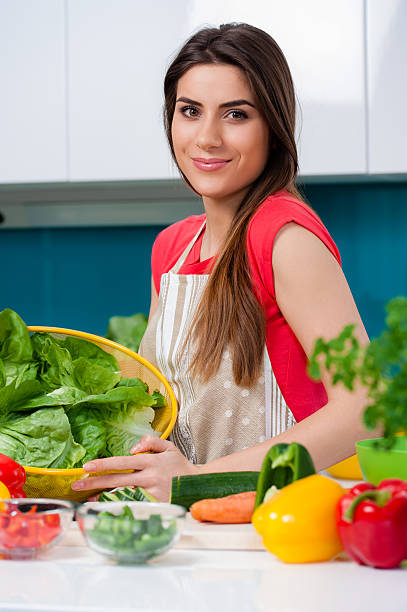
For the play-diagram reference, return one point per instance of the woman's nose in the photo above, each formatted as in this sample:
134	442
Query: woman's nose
208	134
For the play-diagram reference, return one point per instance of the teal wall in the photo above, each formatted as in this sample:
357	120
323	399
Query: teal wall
369	225
78	278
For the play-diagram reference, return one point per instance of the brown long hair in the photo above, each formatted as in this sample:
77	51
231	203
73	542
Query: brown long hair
229	312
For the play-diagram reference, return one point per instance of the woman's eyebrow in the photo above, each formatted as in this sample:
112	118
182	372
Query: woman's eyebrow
224	105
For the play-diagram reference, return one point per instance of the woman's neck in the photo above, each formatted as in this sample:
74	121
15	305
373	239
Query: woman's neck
219	217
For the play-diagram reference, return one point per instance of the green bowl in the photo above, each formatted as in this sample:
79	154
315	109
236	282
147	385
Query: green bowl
377	464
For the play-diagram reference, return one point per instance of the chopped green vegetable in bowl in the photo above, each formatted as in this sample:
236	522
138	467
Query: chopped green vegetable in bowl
130	532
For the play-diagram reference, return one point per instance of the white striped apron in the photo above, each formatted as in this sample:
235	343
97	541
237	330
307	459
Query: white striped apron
218	417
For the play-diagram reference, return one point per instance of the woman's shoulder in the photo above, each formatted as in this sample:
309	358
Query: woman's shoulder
276	211
281	206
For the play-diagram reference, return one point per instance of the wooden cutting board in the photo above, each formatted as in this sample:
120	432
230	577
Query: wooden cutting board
200	536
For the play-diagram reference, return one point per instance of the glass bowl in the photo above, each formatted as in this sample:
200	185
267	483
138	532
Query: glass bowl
29	526
130	532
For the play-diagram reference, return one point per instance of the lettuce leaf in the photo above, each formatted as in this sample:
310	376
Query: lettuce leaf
125	427
56	368
42	438
2	374
127	331
79	347
15	349
14	398
94	378
120	396
88	430
133	382
15	343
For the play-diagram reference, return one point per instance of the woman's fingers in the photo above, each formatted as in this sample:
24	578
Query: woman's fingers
132	466
128	462
151	443
111	481
152	466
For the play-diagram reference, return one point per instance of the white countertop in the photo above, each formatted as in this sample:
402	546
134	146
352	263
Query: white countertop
75	578
71	577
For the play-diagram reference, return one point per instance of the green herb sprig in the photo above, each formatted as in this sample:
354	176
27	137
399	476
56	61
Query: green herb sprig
381	367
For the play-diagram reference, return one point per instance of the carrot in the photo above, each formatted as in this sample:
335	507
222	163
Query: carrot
237	508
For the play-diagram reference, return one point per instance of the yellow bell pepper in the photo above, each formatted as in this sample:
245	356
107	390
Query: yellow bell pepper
4	494
348	469
298	523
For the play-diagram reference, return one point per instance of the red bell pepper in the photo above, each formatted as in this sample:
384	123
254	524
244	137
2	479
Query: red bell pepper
28	529
13	475
372	523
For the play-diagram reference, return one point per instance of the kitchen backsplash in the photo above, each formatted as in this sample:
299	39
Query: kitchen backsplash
77	277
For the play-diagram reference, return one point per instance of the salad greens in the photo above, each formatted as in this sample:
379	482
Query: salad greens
63	401
131	538
127	331
381	367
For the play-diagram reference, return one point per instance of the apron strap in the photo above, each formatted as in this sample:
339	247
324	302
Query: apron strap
178	265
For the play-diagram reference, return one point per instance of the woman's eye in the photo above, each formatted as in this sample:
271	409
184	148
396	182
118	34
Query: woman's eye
238	114
190	111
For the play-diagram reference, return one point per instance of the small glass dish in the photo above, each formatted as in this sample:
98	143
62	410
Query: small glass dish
130	532
29	526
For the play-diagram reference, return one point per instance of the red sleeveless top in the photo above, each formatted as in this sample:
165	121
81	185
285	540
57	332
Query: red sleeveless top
288	360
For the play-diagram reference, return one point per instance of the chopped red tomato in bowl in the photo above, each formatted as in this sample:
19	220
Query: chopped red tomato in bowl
29	526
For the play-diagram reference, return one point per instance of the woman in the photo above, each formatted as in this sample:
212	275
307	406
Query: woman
240	294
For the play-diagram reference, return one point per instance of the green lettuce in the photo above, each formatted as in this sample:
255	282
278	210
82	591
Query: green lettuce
125	427
15	349
43	439
126	415
14	397
63	401
94	378
127	331
88	430
15	343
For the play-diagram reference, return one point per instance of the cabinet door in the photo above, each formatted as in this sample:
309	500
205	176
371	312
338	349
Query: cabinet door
32	102
118	54
323	44
387	85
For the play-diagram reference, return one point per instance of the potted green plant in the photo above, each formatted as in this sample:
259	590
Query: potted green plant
382	368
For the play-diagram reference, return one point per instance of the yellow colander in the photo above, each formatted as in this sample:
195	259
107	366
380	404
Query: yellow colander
44	482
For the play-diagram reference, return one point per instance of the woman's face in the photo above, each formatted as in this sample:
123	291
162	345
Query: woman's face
220	139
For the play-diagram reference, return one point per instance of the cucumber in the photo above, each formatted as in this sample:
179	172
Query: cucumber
127	494
186	490
107	496
143	495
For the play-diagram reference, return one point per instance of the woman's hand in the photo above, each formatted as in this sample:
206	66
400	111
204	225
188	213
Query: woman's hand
152	464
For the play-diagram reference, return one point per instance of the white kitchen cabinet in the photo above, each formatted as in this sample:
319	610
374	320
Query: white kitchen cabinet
323	44
82	83
387	85
119	51
32	100
118	54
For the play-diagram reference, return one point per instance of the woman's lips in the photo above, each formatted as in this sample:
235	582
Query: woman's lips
210	164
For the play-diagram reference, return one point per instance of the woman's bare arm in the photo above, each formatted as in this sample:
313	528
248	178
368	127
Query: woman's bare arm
315	299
